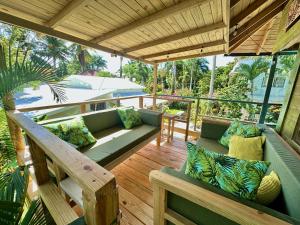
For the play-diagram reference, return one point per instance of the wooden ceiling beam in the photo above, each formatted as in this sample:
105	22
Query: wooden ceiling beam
7	18
149	19
66	12
258	21
251	27
176	37
190	56
233	3
185	49
245	13
264	38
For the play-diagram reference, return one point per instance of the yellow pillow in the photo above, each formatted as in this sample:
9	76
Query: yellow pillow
246	148
269	189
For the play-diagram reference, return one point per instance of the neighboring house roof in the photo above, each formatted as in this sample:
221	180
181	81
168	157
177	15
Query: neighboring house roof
101	83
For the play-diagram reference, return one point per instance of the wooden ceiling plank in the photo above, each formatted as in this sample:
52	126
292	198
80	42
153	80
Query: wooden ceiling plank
184	49
250	30
149	19
190	56
226	21
49	31
67	11
176	37
264	38
262	18
233	3
245	13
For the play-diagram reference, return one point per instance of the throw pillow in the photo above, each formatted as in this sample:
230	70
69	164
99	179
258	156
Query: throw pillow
73	131
246	148
240	129
238	177
130	118
269	189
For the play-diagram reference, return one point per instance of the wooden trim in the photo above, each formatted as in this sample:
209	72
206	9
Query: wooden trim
252	26
66	12
176	99
190	56
233	3
245	13
214	202
185	49
149	19
49	31
180	130
176	218
264	38
176	37
159	205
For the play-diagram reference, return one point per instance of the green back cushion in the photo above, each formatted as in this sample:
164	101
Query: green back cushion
238	177
130	118
240	129
102	120
73	131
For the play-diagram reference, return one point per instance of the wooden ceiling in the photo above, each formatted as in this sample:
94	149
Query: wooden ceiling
154	31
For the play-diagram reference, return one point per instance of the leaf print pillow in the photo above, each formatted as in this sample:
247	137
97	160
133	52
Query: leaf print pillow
129	117
238	177
73	131
239	129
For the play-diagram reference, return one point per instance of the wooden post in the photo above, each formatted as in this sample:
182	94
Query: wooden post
83	108
141	102
265	106
39	162
188	121
102	207
159	205
154	85
118	102
60	175
14	130
196	114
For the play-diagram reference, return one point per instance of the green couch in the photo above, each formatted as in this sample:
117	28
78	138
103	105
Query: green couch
283	160
113	140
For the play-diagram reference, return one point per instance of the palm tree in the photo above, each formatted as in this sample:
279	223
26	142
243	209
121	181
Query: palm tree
53	48
252	70
81	54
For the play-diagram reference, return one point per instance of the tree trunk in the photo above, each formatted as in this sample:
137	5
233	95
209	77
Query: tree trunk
121	66
192	73
81	59
173	78
14	130
212	78
54	62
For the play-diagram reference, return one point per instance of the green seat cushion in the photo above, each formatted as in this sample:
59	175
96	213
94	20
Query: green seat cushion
196	213
238	177
239	129
130	118
115	141
73	131
211	145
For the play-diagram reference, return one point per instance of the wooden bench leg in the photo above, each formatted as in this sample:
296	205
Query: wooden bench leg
158	138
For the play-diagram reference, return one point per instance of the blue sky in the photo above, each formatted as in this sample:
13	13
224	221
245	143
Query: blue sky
113	63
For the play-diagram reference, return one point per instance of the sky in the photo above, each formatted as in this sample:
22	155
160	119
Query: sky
113	63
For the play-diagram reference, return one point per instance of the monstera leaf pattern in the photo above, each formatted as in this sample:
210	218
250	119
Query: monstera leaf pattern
130	118
239	129
238	177
73	131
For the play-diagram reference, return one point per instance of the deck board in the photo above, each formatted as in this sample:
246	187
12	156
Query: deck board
132	175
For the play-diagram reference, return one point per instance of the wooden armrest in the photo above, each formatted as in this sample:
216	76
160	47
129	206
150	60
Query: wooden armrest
228	208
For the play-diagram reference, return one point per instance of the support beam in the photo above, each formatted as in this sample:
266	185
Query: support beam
190	56
265	106
176	37
245	13
233	3
149	19
66	12
255	24
185	49
49	31
264	38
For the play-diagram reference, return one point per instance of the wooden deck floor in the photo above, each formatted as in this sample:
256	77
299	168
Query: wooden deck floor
135	191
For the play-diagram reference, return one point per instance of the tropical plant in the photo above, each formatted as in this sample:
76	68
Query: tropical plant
81	54
253	69
138	71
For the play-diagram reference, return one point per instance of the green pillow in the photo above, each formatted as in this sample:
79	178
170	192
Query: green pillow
73	131
130	118
238	177
239	129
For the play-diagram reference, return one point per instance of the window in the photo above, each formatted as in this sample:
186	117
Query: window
296	135
264	81
279	82
98	106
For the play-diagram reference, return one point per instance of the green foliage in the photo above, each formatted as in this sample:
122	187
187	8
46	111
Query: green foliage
138	71
104	74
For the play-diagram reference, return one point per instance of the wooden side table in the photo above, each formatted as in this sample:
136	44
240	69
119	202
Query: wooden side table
171	122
